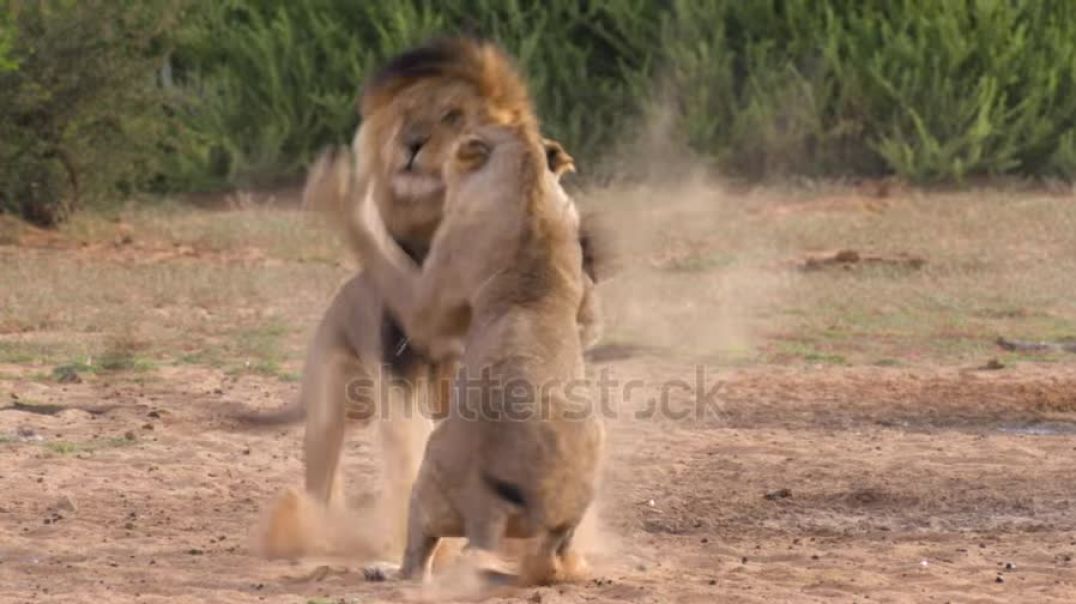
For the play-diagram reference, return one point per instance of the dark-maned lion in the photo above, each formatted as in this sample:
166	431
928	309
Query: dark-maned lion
414	109
517	455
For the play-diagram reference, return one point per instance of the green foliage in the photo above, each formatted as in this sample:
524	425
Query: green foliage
102	97
958	88
79	109
927	90
7	36
268	84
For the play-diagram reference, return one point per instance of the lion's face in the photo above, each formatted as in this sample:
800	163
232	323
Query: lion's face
414	135
429	118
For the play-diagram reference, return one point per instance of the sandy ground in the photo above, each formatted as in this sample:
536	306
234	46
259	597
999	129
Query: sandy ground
807	484
928	479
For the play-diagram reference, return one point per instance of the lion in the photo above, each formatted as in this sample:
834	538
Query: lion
414	110
517	455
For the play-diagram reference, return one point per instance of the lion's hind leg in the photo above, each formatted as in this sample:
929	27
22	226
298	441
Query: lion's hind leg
553	559
430	517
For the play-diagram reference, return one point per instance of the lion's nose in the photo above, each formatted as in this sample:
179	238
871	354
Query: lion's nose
414	145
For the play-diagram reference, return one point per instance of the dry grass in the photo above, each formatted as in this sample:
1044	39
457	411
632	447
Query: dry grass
719	273
705	272
242	293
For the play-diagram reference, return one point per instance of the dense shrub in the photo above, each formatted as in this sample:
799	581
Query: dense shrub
80	112
7	35
268	83
93	93
926	90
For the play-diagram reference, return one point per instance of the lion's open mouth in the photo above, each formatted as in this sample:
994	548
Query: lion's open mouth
409	185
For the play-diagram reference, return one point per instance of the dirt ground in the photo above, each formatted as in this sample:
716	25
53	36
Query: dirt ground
892	480
858	485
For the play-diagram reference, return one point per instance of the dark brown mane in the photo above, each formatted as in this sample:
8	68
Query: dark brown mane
478	62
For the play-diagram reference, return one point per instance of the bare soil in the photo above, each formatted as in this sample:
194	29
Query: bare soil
855	484
850	434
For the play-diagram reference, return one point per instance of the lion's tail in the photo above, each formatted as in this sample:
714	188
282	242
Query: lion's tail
292	413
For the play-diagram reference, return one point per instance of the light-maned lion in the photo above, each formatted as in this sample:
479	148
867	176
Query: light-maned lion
414	109
518	453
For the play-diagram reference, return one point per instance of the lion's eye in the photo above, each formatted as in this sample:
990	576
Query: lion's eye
452	117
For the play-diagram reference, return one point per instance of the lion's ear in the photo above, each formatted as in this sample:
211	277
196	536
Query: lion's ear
472	153
557	158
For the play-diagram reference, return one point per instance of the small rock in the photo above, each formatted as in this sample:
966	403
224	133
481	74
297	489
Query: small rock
712	582
778	494
147	426
1010	566
999	579
195	551
130	435
743	560
154	414
373	574
651	503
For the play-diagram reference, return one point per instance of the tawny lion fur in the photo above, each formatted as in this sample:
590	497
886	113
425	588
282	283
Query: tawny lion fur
518	453
414	111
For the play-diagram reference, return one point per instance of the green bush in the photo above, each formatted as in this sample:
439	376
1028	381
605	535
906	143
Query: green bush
951	89
106	97
926	90
266	84
7	34
80	112
922	89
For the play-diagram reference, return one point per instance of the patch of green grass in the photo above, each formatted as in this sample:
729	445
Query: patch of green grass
808	352
887	363
64	447
124	361
261	349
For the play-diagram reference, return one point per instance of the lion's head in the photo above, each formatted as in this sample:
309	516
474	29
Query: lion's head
414	110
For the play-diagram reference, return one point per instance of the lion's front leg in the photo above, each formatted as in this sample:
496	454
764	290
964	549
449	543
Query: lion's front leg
417	297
